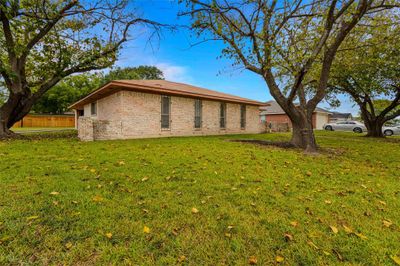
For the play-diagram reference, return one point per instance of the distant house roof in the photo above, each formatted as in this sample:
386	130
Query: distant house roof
341	115
273	108
160	87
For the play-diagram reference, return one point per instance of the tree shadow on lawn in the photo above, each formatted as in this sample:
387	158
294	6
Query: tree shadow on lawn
289	146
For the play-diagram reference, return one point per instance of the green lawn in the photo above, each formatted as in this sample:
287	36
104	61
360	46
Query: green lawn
199	201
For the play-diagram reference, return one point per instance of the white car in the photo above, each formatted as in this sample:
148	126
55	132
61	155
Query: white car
391	130
359	127
354	126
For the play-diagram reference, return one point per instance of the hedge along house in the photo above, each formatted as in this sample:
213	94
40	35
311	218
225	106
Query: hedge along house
125	109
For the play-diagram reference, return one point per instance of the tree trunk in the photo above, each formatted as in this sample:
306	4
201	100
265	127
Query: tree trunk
303	135
374	128
16	107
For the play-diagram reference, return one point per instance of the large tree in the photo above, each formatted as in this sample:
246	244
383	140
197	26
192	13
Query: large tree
283	41
367	69
44	41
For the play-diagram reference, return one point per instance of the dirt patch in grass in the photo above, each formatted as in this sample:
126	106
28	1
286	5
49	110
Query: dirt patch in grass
279	144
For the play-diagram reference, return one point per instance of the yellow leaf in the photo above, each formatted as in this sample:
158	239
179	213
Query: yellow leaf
309	173
68	245
97	198
328	202
146	230
121	163
361	236
145	179
382	202
181	258
252	260
32	217
54	193
74	202
396	259
93	170
109	235
347	229
387	223
279	259
312	244
194	210
326	253
334	229
294	223
230	227
228	235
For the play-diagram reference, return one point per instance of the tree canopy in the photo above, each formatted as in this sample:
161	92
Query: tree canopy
42	42
367	69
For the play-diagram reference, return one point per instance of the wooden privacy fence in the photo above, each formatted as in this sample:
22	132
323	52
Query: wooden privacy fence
38	120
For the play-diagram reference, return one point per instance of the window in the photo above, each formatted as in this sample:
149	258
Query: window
165	111
197	113
222	115
93	108
242	116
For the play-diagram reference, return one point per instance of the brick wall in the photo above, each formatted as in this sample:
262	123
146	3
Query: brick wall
129	114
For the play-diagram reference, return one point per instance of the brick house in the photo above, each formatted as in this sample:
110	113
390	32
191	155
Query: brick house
125	109
273	114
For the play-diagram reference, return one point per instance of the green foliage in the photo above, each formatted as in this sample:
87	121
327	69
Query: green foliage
68	91
140	72
246	202
367	66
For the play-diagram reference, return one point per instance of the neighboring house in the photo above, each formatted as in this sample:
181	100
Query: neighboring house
337	117
272	113
125	109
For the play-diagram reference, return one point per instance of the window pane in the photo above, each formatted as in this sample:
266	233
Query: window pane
165	111
93	107
222	115
242	116
197	113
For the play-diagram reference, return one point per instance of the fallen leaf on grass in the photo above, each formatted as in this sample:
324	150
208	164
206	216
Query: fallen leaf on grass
252	260
312	245
228	235
181	258
347	229
146	230
288	237
68	245
334	229
109	235
382	202
34	217
361	236
328	202
309	173
93	170
194	210
294	223
387	223
279	259
121	163
145	179
396	259
97	198
54	193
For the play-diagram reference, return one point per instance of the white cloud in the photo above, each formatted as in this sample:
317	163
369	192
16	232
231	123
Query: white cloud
175	72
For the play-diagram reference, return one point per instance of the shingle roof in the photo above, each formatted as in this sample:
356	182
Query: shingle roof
272	107
160	87
341	115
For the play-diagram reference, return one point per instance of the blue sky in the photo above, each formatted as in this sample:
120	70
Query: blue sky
197	65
